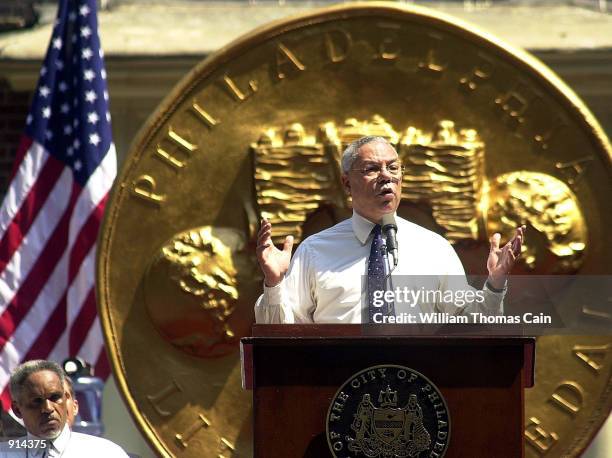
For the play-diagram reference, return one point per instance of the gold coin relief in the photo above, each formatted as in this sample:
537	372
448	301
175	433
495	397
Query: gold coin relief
488	139
551	209
191	289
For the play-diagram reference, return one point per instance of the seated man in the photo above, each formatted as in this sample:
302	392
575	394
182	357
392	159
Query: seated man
39	399
323	282
72	404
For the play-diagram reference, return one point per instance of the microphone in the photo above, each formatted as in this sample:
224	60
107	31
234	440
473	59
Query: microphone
389	228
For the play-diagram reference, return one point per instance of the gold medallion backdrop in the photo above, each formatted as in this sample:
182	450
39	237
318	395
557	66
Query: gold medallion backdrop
489	136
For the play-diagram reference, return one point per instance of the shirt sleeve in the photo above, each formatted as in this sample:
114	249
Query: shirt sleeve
85	445
292	300
466	299
117	452
6	451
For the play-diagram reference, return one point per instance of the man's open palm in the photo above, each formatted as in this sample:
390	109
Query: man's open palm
273	262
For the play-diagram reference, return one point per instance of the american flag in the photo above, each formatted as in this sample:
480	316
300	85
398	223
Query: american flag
50	216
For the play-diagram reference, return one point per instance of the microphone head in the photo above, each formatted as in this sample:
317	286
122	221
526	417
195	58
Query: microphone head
388	222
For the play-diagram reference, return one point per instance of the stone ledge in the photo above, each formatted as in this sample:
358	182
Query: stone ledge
201	28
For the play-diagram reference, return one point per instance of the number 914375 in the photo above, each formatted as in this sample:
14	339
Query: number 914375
27	443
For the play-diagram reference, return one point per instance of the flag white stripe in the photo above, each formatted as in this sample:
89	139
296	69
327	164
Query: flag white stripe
94	342
97	187
82	283
77	293
60	350
27	174
34	241
9	359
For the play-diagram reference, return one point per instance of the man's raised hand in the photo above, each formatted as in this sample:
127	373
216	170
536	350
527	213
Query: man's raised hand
501	260
272	261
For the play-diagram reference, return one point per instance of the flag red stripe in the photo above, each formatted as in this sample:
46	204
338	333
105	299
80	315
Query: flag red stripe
82	324
40	272
5	397
86	239
102	367
22	149
29	209
54	327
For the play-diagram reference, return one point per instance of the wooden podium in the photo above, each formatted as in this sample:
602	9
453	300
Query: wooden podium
295	371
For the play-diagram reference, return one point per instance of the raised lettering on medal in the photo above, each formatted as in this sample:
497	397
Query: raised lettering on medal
480	73
201	423
568	397
155	399
598	314
543	140
286	61
235	91
144	187
226	448
179	144
592	355
538	437
168	159
388	47
203	116
432	63
512	107
574	170
338	43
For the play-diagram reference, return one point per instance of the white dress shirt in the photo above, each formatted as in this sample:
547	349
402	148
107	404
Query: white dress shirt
67	445
326	279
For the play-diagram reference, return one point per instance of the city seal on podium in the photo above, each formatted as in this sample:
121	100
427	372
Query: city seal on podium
388	411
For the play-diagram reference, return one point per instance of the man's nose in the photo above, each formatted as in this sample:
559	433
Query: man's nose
385	176
47	407
385	172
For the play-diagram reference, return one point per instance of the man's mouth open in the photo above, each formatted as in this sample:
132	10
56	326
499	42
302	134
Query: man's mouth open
386	192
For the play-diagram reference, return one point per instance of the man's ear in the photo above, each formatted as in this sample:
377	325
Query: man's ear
75	404
16	409
346	183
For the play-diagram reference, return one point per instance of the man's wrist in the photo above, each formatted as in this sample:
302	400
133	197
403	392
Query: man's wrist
272	283
496	285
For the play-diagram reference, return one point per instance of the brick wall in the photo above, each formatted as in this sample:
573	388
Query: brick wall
14	108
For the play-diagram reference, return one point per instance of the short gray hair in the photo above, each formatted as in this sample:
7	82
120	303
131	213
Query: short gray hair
23	371
352	151
70	385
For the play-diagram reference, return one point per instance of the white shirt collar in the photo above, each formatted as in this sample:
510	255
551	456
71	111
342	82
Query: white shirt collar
361	227
61	442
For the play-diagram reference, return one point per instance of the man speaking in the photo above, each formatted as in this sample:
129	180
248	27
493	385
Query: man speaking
337	275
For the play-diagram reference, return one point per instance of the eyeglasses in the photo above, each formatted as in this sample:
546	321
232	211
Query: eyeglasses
374	170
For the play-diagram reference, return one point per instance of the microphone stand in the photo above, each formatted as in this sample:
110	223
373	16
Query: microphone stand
388	278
